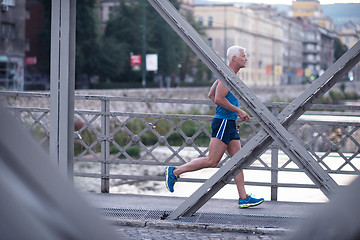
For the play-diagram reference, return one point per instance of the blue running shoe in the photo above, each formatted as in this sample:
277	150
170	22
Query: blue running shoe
250	202
171	178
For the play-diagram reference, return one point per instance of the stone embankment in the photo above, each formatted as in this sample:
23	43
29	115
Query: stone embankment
264	93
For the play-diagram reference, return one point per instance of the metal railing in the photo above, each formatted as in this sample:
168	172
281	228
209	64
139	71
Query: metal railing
118	132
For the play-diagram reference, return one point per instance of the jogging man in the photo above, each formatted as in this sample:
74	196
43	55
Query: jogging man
224	133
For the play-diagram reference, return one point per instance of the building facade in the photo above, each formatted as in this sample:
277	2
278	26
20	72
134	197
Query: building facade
228	25
311	50
306	8
12	44
293	50
36	62
312	10
318	37
348	33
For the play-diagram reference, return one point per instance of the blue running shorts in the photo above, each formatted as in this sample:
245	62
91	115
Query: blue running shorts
225	130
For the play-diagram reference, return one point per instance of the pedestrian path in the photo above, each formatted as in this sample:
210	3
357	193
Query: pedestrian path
146	213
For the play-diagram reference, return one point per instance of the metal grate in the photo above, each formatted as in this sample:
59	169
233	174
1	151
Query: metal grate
248	220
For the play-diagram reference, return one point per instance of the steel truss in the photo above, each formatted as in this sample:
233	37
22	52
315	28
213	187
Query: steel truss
274	127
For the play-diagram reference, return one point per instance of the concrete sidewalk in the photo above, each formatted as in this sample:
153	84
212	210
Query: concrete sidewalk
217	214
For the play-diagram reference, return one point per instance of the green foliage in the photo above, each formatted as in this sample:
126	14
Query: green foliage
191	60
351	96
189	128
89	137
124	35
336	96
163	40
39	134
133	151
342	88
323	100
114	59
175	139
107	54
135	125
340	48
122	138
148	138
87	38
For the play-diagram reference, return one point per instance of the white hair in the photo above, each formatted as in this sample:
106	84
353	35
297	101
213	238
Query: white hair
234	51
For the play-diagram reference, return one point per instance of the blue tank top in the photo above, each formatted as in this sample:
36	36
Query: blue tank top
223	113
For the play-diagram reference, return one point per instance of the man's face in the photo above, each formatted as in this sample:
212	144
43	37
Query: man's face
241	59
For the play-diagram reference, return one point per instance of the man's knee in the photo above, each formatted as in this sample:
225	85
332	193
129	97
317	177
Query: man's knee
212	163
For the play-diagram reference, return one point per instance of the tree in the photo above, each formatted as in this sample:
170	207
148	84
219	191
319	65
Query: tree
87	37
190	59
108	54
125	29
340	48
122	36
164	41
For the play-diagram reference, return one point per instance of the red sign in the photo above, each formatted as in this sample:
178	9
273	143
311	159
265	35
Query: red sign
268	69
30	60
300	72
135	61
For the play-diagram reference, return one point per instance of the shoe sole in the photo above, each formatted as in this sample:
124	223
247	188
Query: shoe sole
251	205
166	178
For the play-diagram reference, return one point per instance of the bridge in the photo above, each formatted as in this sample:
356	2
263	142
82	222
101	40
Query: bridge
104	141
48	205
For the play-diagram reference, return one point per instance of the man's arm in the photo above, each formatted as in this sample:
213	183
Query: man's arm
220	99
211	93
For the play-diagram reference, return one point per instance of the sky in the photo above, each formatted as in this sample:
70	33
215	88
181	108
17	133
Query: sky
289	2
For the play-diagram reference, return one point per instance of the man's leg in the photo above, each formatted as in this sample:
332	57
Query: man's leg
233	147
217	149
244	199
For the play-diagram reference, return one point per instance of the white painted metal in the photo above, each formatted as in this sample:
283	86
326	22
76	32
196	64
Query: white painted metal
62	84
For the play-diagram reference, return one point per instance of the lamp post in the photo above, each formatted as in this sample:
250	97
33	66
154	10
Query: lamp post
143	55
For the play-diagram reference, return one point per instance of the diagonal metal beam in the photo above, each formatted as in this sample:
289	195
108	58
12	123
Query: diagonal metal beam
290	145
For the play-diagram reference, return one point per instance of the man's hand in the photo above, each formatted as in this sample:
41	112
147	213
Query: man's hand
243	115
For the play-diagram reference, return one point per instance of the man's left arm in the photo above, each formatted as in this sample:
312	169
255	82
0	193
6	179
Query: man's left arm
211	93
220	99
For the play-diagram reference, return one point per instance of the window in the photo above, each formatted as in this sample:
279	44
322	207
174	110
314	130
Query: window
210	21
27	14
200	21
27	45
7	30
8	2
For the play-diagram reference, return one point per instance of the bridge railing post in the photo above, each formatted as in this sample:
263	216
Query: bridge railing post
105	146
